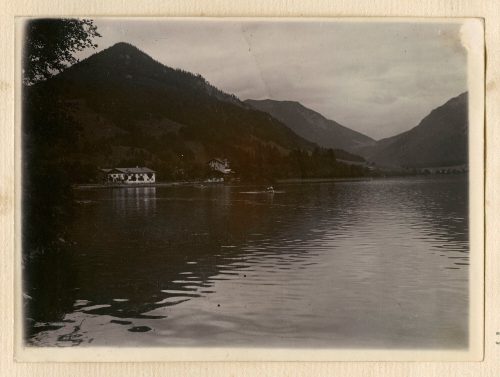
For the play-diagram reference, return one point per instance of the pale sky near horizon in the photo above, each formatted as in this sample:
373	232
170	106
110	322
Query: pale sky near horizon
378	78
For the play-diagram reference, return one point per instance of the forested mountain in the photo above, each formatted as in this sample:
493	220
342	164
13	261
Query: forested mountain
311	125
120	107
440	139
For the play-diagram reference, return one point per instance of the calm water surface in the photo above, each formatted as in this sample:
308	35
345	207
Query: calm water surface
372	263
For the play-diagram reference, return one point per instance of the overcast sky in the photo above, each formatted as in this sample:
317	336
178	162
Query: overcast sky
378	78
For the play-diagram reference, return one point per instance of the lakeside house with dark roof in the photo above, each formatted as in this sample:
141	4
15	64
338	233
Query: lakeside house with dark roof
134	176
220	165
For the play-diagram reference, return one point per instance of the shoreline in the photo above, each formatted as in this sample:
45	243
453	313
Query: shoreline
320	180
84	186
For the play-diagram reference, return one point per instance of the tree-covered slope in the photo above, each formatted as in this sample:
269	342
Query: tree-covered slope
440	139
311	125
120	107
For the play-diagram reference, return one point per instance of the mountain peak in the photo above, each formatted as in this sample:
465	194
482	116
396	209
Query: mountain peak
124	62
124	50
124	47
116	59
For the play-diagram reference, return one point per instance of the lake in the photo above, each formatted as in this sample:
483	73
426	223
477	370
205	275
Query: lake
380	263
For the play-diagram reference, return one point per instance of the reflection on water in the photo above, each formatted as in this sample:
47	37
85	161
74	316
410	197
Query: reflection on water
134	199
380	263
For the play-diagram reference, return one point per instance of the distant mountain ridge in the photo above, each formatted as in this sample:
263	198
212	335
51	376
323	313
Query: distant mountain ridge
311	125
440	139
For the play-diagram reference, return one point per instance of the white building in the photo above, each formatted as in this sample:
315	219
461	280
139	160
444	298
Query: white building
220	165
134	176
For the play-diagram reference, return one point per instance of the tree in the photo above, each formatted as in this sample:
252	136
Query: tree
50	44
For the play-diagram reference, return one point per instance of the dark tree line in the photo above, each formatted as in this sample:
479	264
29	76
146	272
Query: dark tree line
48	136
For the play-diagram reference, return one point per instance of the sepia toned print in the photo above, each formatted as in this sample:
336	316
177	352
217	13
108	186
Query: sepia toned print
247	184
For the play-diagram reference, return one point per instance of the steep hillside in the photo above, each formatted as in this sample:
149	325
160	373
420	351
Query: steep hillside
440	139
311	125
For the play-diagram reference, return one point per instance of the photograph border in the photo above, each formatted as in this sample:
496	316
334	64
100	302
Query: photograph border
472	40
489	10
